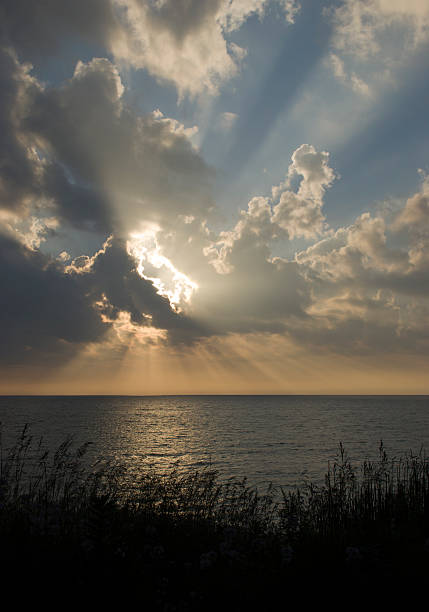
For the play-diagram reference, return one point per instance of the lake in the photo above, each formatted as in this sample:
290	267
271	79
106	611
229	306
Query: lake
280	439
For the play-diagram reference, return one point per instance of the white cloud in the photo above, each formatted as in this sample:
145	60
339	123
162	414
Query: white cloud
286	214
370	290
176	41
415	214
300	214
313	167
357	290
184	41
360	24
353	251
375	36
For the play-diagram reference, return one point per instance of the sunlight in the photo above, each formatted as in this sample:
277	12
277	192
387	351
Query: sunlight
155	267
128	332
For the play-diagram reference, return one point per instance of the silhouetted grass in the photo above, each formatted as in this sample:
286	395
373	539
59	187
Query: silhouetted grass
189	541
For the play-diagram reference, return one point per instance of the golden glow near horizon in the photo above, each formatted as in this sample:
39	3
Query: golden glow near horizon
230	365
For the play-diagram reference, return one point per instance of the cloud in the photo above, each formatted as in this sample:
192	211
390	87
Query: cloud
415	215
313	167
234	13
353	254
78	150
44	314
354	291
359	290
38	29
181	42
76	157
145	165
265	290
300	214
111	279
29	179
361	24
20	167
375	37
184	41
51	310
369	290
259	292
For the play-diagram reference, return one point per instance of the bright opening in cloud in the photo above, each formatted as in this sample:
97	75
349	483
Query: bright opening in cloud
155	267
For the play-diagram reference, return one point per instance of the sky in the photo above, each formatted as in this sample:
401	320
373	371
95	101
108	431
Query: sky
214	196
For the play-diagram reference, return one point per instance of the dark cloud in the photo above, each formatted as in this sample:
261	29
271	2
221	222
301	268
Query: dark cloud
77	152
19	179
44	315
47	314
42	28
81	206
112	273
136	168
80	149
29	177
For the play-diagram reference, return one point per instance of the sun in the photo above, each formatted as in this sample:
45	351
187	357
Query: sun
152	265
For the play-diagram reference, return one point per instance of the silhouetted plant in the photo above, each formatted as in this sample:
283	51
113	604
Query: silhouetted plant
192	528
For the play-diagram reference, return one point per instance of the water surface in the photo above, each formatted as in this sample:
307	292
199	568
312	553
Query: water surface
279	439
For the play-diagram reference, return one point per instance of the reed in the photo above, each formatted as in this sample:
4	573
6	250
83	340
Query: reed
190	538
384	496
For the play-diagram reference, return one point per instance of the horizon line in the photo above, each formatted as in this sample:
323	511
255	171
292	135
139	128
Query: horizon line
3	395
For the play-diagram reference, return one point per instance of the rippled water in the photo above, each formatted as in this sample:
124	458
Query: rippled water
279	439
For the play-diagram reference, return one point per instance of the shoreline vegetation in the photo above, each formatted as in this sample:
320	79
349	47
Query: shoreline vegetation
185	541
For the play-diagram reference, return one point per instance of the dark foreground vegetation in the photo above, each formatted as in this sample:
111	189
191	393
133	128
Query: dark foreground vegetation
188	541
